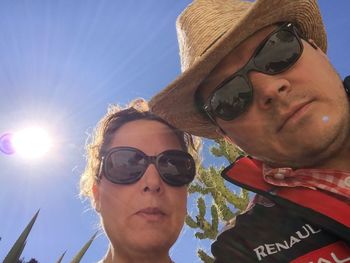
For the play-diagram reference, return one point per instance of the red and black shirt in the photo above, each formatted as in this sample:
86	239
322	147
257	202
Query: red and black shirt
284	224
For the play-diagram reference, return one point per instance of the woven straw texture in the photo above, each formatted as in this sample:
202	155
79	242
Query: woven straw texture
207	31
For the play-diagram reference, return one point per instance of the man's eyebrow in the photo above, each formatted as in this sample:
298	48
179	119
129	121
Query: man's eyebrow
217	79
238	58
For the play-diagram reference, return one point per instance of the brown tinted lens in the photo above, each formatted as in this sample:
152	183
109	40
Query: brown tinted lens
176	167
125	166
279	52
231	99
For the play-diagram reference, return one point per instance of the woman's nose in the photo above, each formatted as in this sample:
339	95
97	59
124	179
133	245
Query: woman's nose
151	180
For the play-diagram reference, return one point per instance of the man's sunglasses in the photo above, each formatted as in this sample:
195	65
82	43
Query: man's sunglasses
126	165
275	54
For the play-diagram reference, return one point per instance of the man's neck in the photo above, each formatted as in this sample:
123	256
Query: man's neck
340	160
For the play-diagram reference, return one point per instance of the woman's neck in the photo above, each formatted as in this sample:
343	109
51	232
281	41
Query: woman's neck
113	256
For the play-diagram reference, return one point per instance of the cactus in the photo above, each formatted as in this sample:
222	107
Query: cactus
226	203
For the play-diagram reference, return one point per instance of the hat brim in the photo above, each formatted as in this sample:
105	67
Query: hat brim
176	102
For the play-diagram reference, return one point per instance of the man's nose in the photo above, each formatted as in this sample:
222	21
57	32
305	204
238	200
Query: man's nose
269	89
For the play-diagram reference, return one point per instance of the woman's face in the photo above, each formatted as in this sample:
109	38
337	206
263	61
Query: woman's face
147	215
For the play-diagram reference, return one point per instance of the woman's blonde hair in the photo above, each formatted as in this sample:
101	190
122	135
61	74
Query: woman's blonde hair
106	128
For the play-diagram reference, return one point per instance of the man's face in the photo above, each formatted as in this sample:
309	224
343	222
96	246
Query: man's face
297	118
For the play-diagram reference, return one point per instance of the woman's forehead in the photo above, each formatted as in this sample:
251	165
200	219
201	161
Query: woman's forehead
144	132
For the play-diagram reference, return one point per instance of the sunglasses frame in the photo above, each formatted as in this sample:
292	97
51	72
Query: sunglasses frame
248	67
149	160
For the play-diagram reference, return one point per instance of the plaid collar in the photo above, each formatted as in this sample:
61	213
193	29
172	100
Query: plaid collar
332	181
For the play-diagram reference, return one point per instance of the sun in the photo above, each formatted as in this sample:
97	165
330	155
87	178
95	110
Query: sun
33	142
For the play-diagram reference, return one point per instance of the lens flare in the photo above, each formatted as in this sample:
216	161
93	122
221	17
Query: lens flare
6	144
31	142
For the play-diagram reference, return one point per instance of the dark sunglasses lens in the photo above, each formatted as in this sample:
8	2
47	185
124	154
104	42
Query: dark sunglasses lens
177	168
280	52
230	100
125	166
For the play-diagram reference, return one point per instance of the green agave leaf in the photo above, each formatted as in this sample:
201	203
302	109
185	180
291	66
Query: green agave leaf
60	259
82	251
17	249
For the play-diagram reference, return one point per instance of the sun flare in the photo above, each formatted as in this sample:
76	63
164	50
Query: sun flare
31	142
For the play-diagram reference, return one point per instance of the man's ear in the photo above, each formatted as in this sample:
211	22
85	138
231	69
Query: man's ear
320	51
96	196
220	132
224	135
312	43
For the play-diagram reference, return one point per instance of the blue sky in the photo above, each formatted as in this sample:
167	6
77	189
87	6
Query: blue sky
61	64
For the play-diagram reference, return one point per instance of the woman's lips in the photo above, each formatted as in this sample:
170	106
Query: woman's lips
151	213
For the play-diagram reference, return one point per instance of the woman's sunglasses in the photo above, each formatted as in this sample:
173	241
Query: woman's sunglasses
126	165
275	54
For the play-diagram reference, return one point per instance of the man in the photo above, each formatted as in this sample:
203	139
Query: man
256	74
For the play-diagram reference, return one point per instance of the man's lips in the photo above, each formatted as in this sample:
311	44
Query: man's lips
295	111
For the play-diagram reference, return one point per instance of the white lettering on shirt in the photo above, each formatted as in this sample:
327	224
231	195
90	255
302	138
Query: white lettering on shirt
265	250
335	259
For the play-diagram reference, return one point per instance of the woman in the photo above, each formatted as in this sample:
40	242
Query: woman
137	175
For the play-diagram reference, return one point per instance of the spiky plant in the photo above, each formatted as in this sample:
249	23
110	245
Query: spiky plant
15	252
226	202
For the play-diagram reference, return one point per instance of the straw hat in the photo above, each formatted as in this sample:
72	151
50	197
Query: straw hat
207	31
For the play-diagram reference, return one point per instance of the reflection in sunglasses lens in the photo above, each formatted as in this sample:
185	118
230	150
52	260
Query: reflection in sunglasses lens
230	100
174	167
125	166
280	51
